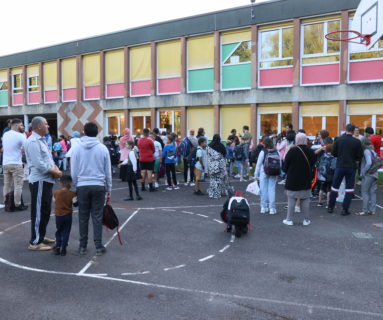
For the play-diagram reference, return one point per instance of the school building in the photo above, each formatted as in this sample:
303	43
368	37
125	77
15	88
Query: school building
264	66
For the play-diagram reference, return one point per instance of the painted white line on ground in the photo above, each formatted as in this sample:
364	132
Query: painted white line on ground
88	265
99	274
188	212
206	258
120	188
203	206
176	267
134	273
224	248
360	198
169	210
202	215
219	221
15	226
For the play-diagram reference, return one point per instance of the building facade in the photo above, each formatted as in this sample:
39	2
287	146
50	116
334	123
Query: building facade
219	71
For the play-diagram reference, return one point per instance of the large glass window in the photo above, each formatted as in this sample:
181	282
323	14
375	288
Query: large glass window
17	83
313	124
271	120
316	49
33	84
361	121
170	120
269	124
276	48
113	126
374	53
241	54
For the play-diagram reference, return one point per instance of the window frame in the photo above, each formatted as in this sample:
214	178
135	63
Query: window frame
280	49
33	86
21	83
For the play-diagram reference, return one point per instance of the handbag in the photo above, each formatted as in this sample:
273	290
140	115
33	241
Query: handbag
314	181
253	188
110	219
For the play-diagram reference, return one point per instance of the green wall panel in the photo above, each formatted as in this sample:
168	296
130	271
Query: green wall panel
3	98
236	76
227	49
201	80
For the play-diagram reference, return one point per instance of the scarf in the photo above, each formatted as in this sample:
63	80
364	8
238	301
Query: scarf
217	145
125	138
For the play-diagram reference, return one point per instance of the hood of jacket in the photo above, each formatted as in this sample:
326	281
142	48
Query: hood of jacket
89	142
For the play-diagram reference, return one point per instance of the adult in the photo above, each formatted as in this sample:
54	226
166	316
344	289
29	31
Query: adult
13	142
146	147
92	177
358	135
267	182
43	173
64	150
233	134
216	153
124	151
157	160
348	151
375	139
73	142
186	148
298	165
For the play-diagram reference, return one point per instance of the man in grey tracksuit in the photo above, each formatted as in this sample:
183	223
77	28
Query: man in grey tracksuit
91	175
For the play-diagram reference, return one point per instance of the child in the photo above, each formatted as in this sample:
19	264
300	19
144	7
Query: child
241	160
326	169
64	200
157	160
199	166
169	154
131	171
230	157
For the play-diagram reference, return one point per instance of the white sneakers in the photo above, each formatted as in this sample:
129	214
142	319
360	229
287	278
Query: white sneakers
297	209
169	188
288	222
306	222
273	211
156	185
264	210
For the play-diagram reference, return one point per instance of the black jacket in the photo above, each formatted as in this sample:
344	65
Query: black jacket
298	171
348	150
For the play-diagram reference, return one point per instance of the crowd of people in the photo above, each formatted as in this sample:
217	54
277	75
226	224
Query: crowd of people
316	169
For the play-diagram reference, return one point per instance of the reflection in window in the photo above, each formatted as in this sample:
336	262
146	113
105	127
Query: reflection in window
3	85
374	53
138	124
379	124
270	44
241	54
269	124
166	120
313	38
33	84
332	125
287	119
17	83
312	125
287	42
361	121
177	122
148	122
333	46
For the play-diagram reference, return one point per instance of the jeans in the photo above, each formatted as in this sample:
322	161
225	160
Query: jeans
242	167
349	175
187	166
171	172
14	181
369	194
63	226
267	186
91	200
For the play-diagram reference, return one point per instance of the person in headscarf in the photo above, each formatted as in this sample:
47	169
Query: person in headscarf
299	164
216	163
124	152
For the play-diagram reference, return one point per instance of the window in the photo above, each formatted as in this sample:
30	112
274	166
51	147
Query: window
170	121
276	48
17	83
361	121
33	84
316	49
376	52
241	54
3	86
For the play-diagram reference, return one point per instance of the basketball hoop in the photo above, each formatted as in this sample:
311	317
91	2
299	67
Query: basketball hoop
366	38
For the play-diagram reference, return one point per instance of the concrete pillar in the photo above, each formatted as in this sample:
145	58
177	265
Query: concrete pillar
183	64
26	122
253	122
217	122
295	116
79	84
126	119
344	49
126	72
102	75
9	77
24	84
342	116
153	118
217	61
297	53
254	57
153	47
59	84
183	121
41	79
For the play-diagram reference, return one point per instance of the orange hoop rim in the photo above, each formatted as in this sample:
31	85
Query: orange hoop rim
365	37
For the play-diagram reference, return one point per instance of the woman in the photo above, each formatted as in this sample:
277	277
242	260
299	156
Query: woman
216	153
299	164
124	151
201	134
368	179
267	182
64	148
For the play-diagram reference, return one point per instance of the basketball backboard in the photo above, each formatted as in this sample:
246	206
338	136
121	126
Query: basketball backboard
368	20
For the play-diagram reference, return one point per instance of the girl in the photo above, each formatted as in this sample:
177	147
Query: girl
169	154
131	171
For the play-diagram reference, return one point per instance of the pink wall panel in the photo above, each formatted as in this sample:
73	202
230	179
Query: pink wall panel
51	96
33	97
140	88
69	94
276	77
172	85
115	90
92	92
18	99
366	70
320	74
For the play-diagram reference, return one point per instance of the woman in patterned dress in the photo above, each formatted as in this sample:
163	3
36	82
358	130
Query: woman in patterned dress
216	153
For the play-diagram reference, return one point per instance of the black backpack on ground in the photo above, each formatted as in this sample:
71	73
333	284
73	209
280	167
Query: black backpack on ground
238	212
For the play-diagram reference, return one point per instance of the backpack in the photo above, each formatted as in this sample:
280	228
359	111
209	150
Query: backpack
185	147
255	154
326	168
272	162
239	153
238	211
170	154
57	147
377	163
192	157
110	220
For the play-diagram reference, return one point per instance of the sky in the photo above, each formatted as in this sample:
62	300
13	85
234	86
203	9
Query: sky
42	23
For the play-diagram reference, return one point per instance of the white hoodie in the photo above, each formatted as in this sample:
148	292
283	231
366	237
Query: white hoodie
90	164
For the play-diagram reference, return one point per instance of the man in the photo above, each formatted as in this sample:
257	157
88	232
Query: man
375	139
43	173
92	176
146	149
13	142
357	134
348	151
246	138
187	145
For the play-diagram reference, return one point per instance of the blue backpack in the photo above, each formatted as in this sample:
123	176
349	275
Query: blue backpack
185	148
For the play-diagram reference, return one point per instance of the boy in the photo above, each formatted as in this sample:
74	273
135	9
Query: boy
169	154
326	169
199	166
63	212
157	160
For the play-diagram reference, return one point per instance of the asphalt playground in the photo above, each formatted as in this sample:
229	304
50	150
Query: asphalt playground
177	262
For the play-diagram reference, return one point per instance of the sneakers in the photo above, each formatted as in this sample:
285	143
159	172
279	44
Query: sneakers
82	251
176	187
198	193
273	211
20	208
237	176
192	184
320	204
39	247
282	182
186	183
306	222
100	251
48	241
169	188
156	185
264	210
297	209
288	222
